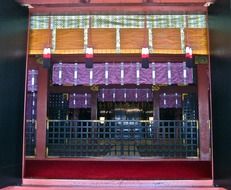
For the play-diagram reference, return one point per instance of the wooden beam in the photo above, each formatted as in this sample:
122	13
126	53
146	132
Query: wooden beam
86	89
118	9
114	58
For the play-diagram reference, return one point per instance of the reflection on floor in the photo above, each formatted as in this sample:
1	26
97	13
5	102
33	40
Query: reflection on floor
44	184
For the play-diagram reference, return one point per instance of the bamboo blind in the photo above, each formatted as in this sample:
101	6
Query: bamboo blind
39	39
102	40
69	40
167	40
132	40
196	38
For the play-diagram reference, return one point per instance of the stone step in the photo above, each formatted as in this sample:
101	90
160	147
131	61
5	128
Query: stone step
55	184
108	188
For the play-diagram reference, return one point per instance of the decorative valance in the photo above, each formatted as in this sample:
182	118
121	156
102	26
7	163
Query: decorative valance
80	100
122	73
125	95
170	100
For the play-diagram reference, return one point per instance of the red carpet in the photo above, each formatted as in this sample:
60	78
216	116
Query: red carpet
146	170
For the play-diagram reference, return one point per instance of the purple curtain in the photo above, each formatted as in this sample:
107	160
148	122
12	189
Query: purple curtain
32	88
80	100
125	95
31	106
170	100
32	83
64	74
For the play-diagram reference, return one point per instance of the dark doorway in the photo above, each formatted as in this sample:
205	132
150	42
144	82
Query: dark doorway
79	114
171	114
125	110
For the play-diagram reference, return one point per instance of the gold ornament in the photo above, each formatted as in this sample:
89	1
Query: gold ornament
95	88
155	88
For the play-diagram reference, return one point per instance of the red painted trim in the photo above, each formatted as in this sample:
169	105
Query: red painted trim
32	64
102	58
203	109
142	170
41	113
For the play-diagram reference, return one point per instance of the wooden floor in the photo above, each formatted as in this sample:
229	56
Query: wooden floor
44	184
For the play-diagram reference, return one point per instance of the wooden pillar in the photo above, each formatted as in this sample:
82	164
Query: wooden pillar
94	105
41	113
156	105
203	111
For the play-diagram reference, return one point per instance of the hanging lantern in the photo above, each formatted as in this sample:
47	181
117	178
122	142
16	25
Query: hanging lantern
47	53
145	56
89	52
89	57
145	53
46	57
189	57
188	52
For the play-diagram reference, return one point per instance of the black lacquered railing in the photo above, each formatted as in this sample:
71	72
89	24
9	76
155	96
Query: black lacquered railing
30	137
168	139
